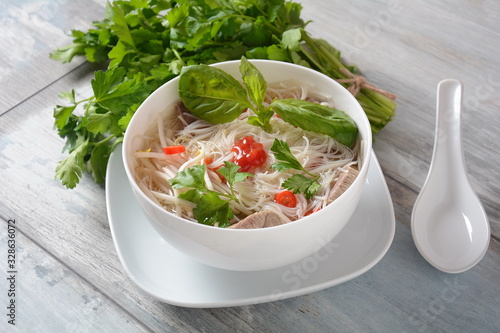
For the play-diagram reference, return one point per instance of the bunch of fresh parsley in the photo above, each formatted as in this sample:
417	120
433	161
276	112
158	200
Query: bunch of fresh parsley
146	43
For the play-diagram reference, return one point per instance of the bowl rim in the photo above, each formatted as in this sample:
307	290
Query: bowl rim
127	140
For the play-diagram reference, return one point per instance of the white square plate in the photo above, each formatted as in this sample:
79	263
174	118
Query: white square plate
174	278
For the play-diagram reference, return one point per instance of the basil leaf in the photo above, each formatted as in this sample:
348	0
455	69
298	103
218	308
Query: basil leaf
254	81
317	118
211	94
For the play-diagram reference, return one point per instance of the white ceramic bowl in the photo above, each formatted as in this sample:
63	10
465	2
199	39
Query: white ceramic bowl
251	249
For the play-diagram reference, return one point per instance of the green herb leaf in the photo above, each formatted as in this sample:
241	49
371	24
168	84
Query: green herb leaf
70	169
230	172
296	183
98	162
211	209
69	96
317	118
191	177
211	94
284	156
67	53
193	195
254	81
302	184
62	115
103	82
103	123
291	39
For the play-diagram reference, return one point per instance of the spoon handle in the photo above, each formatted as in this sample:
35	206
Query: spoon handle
448	152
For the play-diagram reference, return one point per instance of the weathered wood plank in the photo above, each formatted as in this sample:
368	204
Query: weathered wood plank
50	297
29	31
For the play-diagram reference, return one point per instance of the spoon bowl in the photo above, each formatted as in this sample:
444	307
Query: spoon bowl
449	225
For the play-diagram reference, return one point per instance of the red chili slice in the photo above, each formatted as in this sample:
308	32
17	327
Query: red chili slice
286	198
312	211
170	150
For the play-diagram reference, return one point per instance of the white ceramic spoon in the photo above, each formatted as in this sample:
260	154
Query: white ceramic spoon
449	225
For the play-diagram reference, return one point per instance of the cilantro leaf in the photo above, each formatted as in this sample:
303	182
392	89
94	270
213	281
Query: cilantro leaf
69	96
296	183
66	53
211	209
302	184
291	39
103	82
103	123
192	177
98	162
62	115
193	195
230	172
285	158
70	169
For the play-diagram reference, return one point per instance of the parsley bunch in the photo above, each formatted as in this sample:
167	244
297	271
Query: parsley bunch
145	43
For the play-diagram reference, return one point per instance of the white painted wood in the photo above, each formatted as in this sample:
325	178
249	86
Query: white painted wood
29	31
70	278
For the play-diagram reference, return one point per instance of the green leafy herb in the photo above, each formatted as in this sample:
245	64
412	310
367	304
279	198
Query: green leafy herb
93	135
211	94
210	207
145	43
215	96
193	177
256	86
284	157
230	172
302	184
297	183
317	118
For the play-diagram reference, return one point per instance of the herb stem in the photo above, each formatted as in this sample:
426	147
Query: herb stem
103	141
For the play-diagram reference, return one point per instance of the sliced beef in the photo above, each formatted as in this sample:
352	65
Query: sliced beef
263	219
185	113
310	99
345	180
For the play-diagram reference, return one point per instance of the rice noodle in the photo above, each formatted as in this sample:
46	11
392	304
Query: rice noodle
319	154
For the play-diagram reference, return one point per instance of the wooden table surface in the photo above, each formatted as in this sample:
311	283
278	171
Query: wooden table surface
68	275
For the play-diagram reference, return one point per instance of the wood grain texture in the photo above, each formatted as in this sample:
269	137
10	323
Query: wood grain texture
29	31
70	276
407	49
